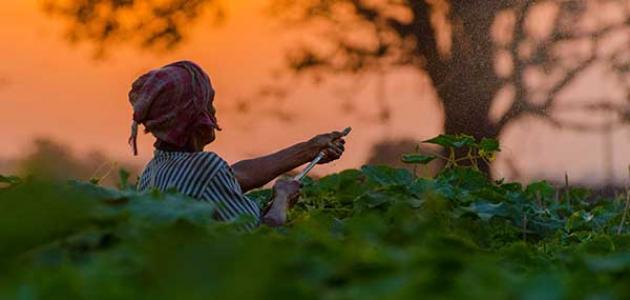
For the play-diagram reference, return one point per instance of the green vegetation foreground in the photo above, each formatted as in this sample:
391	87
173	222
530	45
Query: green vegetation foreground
374	233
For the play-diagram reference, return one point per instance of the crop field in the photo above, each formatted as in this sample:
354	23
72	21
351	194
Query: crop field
373	233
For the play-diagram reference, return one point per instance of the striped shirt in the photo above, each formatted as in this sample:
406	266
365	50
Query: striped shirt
200	175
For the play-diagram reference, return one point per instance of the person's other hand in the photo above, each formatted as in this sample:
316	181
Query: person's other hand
332	144
285	194
287	188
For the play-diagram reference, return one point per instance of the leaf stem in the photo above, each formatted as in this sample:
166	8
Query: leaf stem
625	212
524	226
567	194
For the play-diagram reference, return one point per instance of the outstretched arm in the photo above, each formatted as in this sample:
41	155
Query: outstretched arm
254	173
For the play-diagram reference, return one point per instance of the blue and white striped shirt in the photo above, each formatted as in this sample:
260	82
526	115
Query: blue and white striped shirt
200	175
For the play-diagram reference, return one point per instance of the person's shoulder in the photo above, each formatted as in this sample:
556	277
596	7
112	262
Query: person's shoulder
208	159
219	174
193	161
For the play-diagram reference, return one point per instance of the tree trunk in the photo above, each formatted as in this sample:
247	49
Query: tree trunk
465	80
468	114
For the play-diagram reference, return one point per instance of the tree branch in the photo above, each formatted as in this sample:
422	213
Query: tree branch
558	36
568	78
520	96
581	127
520	103
600	105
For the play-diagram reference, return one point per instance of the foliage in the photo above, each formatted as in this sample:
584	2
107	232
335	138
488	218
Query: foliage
374	233
484	150
55	161
158	25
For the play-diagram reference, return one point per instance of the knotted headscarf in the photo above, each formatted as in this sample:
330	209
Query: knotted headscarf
172	102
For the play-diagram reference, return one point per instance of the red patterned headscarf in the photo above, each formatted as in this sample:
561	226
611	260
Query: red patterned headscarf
172	102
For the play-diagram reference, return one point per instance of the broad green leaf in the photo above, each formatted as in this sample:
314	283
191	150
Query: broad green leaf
489	145
453	141
464	177
384	175
486	210
579	221
540	189
375	200
417	159
488	149
10	179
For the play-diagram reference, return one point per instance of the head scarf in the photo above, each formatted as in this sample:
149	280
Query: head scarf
172	102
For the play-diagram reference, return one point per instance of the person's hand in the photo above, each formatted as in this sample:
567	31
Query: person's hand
332	144
288	189
285	194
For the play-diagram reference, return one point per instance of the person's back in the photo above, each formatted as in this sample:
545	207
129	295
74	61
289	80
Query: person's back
200	175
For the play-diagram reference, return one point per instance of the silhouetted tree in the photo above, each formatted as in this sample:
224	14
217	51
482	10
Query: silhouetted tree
473	50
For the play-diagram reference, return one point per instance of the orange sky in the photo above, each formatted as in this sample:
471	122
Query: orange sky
49	88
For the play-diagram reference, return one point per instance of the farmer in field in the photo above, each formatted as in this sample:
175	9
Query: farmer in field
175	104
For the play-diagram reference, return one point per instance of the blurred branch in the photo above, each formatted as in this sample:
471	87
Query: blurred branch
598	105
563	36
388	38
566	80
519	104
159	25
558	36
580	126
603	104
594	105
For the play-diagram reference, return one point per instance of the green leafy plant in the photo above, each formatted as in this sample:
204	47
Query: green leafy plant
372	233
475	151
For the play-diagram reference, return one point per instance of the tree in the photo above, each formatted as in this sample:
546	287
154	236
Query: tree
474	50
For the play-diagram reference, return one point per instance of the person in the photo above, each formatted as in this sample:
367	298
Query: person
175	105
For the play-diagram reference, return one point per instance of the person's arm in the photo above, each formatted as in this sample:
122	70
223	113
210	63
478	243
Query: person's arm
254	173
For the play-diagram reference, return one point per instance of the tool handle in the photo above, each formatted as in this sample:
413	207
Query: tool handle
310	166
317	159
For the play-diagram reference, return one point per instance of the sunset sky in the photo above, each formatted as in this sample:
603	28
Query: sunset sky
50	88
